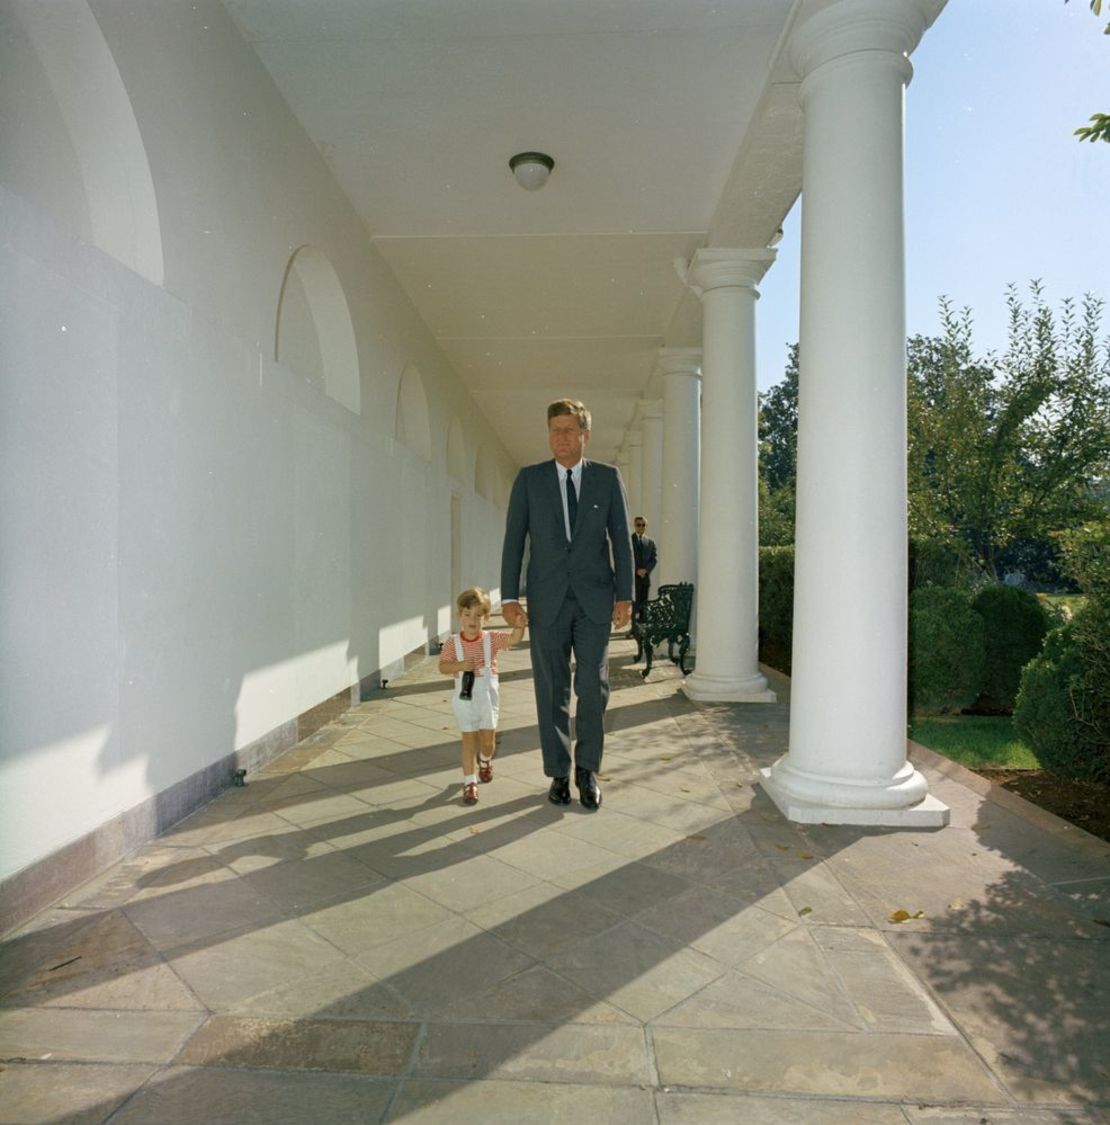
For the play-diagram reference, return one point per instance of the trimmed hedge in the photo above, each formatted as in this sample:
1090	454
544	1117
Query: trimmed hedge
776	606
1015	627
946	650
1063	704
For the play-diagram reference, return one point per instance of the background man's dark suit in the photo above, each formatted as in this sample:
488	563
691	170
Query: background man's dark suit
644	557
572	589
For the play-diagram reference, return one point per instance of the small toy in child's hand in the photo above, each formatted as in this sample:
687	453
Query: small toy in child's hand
467	685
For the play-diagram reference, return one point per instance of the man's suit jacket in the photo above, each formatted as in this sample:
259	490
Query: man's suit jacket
556	566
644	556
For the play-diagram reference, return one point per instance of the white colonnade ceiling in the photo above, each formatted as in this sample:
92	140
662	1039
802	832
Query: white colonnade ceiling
674	124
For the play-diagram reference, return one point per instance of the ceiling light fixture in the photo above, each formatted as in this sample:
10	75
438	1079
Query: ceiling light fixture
531	169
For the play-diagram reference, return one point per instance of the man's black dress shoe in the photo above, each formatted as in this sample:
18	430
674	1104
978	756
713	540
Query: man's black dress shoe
559	793
589	792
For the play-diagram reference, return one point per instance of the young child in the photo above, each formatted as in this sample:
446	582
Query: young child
475	650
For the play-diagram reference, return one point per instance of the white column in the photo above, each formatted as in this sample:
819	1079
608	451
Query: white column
635	482
651	457
727	666
847	758
677	534
622	465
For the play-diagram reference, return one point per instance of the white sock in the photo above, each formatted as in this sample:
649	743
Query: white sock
470	777
484	760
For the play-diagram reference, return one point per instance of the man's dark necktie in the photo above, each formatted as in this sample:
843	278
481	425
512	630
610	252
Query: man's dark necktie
572	501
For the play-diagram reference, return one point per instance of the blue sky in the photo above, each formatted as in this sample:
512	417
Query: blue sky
997	188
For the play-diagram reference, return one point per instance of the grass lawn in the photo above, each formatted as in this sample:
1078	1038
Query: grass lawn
1070	603
973	740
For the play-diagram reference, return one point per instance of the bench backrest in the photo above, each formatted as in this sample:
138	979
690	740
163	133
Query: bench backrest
670	609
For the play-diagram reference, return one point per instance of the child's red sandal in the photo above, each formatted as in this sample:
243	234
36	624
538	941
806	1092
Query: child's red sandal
470	793
485	769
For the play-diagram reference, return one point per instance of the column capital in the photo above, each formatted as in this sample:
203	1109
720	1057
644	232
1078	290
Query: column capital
679	361
848	27
721	268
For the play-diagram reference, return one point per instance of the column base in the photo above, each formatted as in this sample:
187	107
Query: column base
718	689
925	812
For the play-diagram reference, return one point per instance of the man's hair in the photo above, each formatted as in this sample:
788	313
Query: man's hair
474	596
569	406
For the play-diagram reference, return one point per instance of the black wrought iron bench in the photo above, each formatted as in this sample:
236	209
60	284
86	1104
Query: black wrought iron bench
666	618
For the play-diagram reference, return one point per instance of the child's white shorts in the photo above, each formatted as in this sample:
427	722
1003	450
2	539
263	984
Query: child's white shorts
481	710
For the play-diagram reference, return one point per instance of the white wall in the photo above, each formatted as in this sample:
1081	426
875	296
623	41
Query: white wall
197	543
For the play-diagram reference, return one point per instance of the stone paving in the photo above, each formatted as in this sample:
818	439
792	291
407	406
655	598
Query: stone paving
343	940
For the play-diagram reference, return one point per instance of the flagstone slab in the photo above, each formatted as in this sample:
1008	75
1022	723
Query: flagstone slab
536	995
183	916
797	966
740	1001
629	888
302	884
439	966
994	1115
472	881
730	1109
70	1035
425	1102
103	961
340	990
376	918
184	1096
342	1046
832	1064
230	969
1035	1010
887	996
76	1093
543	918
612	1054
637	970
716	924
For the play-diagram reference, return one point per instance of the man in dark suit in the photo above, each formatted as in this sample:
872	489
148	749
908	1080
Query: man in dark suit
644	558
572	512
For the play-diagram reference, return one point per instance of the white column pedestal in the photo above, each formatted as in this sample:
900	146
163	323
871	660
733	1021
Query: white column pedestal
727	663
847	758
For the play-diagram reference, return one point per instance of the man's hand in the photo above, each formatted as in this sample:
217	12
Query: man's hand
641	573
514	615
622	614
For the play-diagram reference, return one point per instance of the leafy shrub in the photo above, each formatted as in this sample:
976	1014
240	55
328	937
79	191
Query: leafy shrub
933	563
1015	626
1063	704
946	653
776	606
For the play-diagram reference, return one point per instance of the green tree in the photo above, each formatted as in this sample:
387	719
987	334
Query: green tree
1099	127
778	428
1012	448
778	457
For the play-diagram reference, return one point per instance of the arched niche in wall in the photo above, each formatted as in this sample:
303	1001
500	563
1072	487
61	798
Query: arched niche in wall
483	475
314	335
456	450
69	139
504	489
413	427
